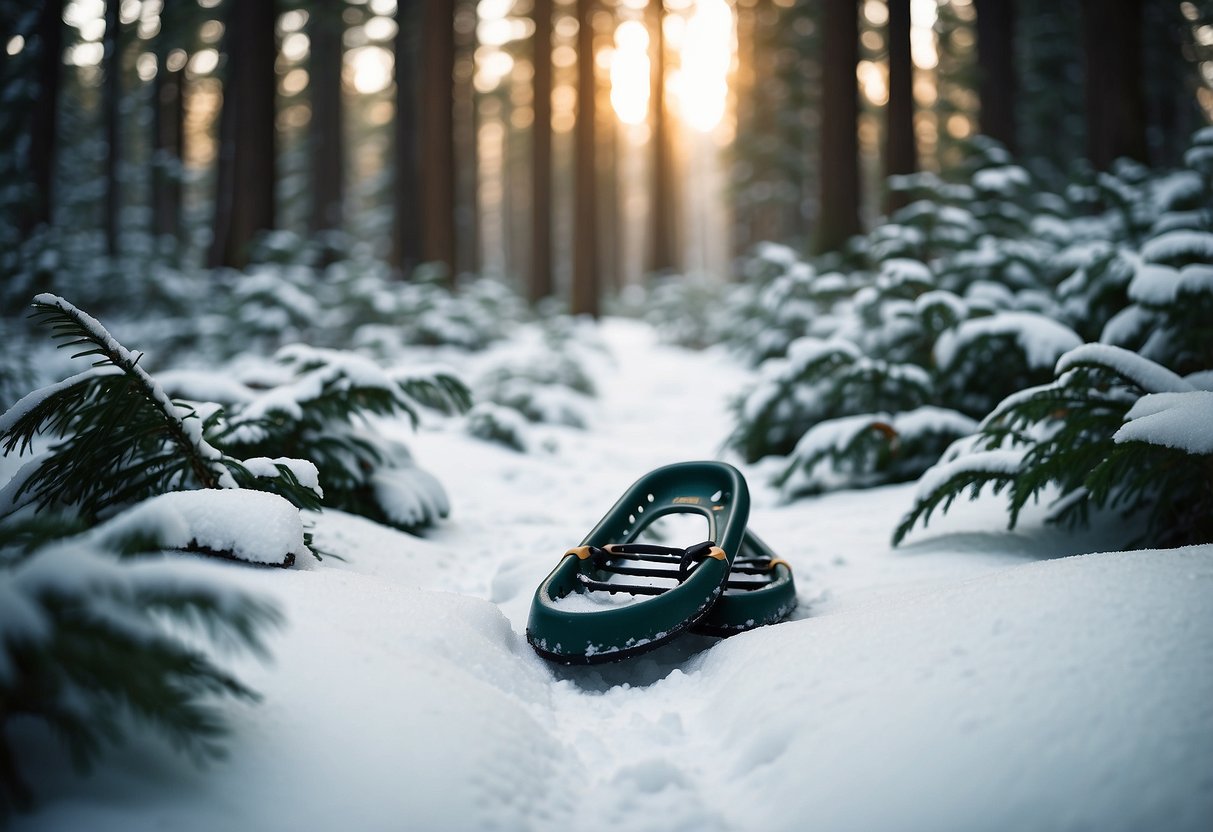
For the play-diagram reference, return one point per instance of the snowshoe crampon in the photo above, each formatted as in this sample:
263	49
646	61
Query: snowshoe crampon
611	597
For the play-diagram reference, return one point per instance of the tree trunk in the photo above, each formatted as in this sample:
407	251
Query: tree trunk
839	211
901	151
663	246
437	150
113	119
997	84
44	117
406	195
168	148
1116	119
586	280
325	30
244	188
540	284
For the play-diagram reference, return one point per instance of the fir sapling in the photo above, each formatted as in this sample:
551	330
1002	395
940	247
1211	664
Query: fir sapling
322	409
1070	437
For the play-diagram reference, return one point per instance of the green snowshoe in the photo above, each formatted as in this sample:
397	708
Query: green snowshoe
611	598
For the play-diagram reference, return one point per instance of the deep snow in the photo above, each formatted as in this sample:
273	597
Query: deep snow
972	679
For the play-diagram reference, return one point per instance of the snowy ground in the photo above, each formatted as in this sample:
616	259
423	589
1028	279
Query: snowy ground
973	679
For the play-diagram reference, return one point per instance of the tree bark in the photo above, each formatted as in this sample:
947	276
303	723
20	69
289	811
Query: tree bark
839	212
997	84
901	150
113	135
540	284
44	117
586	278
406	195
663	245
167	150
325	30
437	145
1112	52
244	188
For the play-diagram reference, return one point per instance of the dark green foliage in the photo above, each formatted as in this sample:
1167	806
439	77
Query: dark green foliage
321	412
1062	439
501	425
93	650
120	438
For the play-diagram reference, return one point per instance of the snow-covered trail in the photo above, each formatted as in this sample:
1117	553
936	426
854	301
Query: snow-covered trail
967	680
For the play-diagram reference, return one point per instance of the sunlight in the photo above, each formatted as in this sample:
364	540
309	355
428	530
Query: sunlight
701	83
630	73
372	68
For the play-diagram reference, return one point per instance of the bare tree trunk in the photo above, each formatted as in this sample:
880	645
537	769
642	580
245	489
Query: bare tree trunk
839	212
1116	114
586	280
901	151
437	151
325	30
44	118
663	245
540	284
466	132
406	195
997	85
113	133
167	150
244	188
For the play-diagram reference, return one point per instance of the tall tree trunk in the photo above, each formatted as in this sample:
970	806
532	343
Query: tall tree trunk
540	284
168	118
839	211
586	279
663	246
466	132
406	195
325	31
901	151
997	85
44	118
113	119
1116	115
437	151
244	188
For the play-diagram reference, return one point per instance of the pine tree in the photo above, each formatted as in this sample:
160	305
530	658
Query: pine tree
91	647
121	438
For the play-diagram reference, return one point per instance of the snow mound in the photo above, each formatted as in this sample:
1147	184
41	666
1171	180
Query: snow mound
253	526
990	704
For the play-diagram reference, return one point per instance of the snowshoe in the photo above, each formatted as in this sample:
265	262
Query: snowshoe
760	591
611	598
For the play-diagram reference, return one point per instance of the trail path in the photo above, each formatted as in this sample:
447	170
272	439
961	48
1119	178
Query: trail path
967	680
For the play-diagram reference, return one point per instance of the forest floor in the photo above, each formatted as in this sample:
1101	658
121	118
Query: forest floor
973	678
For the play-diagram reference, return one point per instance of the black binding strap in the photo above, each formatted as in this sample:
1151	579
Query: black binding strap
605	558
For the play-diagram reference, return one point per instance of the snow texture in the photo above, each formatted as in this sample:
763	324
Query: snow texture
1183	421
253	526
304	470
1157	285
1041	339
1146	374
998	463
1184	244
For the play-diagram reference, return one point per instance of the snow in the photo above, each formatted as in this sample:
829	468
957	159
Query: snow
1041	339
1146	374
1178	245
253	526
997	463
975	679
1173	420
1156	285
303	470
